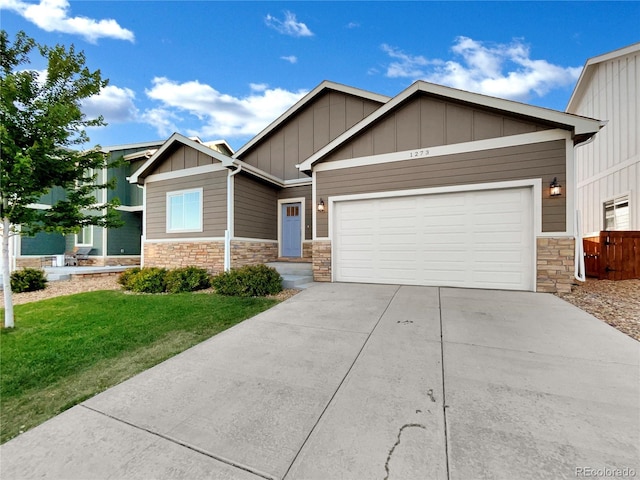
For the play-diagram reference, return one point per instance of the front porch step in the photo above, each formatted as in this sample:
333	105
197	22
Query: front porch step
297	275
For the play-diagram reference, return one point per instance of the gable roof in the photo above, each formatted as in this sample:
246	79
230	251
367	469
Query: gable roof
582	127
147	167
308	98
590	67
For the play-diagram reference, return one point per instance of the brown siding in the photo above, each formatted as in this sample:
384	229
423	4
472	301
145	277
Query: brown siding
542	160
297	192
255	209
183	157
325	118
214	205
427	122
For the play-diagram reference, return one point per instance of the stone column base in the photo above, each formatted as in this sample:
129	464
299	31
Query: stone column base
322	260
555	264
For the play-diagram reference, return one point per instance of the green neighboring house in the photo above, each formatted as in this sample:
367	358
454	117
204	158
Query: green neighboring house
120	246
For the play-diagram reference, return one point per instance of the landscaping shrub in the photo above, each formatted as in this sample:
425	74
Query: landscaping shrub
148	280
125	277
187	279
28	280
248	281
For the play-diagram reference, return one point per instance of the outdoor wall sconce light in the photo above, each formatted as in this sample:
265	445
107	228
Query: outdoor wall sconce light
321	206
555	188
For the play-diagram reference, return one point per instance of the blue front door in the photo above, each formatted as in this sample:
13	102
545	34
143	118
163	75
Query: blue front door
291	241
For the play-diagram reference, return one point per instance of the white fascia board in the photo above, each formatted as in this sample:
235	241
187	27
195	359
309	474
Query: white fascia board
186	172
256	172
219	142
579	125
129	146
142	153
454	149
127	208
176	137
304	101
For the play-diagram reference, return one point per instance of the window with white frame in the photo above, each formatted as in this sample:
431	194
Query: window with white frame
85	236
616	213
184	211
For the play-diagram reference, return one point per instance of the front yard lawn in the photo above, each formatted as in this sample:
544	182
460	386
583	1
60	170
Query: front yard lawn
66	349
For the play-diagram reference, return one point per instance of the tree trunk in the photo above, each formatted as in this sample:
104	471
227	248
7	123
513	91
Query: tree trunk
6	275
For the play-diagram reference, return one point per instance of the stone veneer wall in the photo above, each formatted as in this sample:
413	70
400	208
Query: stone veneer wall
555	264
207	255
122	261
322	260
252	253
307	249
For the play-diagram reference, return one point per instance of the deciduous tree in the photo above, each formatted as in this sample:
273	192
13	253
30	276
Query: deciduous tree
42	128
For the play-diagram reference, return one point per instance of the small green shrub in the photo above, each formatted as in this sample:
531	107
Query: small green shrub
125	277
148	280
187	279
248	281
28	280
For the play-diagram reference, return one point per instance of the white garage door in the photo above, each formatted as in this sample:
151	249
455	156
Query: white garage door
475	239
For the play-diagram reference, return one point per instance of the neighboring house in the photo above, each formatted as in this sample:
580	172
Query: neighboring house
119	246
608	168
435	186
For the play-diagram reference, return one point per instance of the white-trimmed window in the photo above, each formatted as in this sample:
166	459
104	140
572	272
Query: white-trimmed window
85	236
184	210
616	213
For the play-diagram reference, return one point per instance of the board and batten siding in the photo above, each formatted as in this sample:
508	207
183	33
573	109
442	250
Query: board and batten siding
309	130
303	191
255	209
428	122
544	160
184	157
610	165
214	205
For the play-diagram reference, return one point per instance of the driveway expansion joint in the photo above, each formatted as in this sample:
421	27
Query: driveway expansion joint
226	461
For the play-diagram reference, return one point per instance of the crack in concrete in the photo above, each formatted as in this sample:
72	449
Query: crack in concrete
395	445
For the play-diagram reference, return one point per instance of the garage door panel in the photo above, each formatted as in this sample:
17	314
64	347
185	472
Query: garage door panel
478	239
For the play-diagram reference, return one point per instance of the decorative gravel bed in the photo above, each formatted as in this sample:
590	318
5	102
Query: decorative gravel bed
614	302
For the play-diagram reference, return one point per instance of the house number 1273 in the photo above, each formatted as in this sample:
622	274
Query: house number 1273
419	153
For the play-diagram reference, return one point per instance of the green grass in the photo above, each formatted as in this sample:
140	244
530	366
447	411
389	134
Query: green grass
67	349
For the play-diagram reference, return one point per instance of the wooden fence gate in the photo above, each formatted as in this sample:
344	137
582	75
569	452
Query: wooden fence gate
612	255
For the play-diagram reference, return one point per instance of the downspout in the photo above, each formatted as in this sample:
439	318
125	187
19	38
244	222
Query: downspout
228	232
578	265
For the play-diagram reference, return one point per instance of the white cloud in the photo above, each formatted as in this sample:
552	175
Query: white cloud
162	119
288	26
500	70
290	58
221	115
115	104
53	16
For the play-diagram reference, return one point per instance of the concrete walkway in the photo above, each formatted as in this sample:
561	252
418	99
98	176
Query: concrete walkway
347	381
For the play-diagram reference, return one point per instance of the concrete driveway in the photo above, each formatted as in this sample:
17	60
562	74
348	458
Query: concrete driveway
347	381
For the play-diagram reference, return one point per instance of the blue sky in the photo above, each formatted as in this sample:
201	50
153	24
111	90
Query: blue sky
225	70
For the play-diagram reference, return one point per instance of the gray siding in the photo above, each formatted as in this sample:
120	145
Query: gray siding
183	157
312	128
542	160
214	185
298	192
255	209
426	122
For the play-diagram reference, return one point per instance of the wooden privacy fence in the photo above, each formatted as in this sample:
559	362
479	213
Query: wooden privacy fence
612	255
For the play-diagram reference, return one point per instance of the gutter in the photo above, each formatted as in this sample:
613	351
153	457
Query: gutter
228	233
579	271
